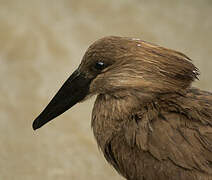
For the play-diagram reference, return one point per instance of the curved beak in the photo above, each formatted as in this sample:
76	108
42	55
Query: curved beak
73	90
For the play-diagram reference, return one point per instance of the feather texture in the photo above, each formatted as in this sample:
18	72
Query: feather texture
147	120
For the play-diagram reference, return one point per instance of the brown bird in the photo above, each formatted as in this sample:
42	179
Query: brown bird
148	121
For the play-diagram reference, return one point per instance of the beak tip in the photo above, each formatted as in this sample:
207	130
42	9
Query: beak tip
35	124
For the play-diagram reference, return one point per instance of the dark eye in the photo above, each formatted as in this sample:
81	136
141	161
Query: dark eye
99	65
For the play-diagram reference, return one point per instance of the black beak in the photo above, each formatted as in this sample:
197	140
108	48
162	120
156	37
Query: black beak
73	90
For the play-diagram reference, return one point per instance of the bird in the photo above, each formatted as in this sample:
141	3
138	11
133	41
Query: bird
148	120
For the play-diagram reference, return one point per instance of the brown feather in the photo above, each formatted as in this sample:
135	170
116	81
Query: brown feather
147	120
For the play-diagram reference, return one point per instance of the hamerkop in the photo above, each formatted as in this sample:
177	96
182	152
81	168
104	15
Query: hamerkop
148	121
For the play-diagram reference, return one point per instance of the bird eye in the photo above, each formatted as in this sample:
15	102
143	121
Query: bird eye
99	65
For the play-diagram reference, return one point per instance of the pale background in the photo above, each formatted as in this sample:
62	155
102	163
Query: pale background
42	42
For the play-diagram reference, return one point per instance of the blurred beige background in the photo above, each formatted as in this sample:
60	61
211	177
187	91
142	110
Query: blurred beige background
42	42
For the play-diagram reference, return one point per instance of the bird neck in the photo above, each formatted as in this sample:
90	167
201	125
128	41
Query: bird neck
111	114
112	111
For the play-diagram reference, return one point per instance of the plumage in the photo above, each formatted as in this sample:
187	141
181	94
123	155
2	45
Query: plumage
148	121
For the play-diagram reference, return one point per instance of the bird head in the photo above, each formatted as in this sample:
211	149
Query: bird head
117	65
